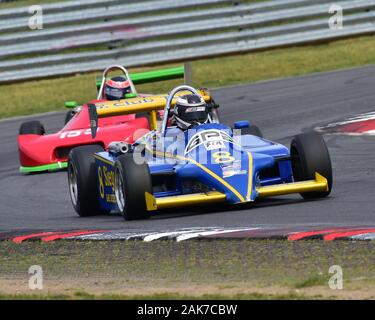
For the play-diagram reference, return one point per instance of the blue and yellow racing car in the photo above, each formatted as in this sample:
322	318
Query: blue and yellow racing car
190	159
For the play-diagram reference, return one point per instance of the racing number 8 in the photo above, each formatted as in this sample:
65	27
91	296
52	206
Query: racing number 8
101	184
222	157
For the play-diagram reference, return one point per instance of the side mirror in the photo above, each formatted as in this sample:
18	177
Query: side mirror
71	104
241	124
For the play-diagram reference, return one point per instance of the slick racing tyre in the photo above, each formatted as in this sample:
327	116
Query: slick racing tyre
253	130
132	181
309	154
83	187
32	127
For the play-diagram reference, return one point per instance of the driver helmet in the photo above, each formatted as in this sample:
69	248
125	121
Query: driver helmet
116	88
190	110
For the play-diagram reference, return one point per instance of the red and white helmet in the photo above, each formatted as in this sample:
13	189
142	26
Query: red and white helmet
116	88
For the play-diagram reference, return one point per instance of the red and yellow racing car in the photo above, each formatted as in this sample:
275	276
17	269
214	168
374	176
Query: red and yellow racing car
39	151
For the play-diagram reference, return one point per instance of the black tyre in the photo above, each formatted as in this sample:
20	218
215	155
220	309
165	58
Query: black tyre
69	115
309	154
253	130
132	181
83	187
32	127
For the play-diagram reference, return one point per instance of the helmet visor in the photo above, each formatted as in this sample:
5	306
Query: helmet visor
194	114
115	90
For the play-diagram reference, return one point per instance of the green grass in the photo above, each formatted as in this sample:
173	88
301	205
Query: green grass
192	269
161	296
49	95
313	281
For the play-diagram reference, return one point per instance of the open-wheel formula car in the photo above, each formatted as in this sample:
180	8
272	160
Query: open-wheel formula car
39	151
205	164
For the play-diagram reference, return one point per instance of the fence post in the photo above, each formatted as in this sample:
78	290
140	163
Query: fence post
188	72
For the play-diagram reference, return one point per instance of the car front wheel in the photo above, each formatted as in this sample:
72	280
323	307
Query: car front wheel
132	181
309	154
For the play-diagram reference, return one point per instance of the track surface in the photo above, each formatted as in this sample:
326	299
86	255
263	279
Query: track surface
281	108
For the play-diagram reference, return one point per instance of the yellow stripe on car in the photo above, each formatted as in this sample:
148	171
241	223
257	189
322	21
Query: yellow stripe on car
104	160
250	177
208	171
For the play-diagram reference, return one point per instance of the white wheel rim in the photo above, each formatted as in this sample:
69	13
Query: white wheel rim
119	190
73	187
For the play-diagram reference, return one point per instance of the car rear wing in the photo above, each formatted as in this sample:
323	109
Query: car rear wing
152	76
137	105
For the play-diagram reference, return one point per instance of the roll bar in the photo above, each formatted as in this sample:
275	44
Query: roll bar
105	73
169	103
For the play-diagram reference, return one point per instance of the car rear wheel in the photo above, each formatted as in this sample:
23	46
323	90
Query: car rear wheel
83	187
69	115
32	127
132	181
309	154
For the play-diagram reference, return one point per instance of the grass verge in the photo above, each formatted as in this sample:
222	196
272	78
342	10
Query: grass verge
49	95
160	296
241	269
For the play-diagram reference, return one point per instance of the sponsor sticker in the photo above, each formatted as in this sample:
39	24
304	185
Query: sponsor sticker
211	139
123	103
195	109
232	169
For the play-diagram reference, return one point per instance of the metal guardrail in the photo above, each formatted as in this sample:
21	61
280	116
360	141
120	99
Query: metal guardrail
58	7
107	12
151	21
153	32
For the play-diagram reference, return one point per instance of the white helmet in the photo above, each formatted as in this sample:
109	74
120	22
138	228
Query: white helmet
190	110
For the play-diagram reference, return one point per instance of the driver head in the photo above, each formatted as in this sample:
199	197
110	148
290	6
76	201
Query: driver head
190	110
116	88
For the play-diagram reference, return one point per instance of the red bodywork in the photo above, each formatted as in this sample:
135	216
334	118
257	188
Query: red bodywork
36	150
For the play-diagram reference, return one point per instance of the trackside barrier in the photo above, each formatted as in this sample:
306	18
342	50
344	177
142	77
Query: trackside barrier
87	35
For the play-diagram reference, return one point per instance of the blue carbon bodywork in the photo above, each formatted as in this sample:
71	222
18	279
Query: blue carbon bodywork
210	156
104	163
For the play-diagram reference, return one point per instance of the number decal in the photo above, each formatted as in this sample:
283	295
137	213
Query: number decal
223	157
101	184
75	133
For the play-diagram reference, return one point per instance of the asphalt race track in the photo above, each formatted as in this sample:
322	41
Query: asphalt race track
281	108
